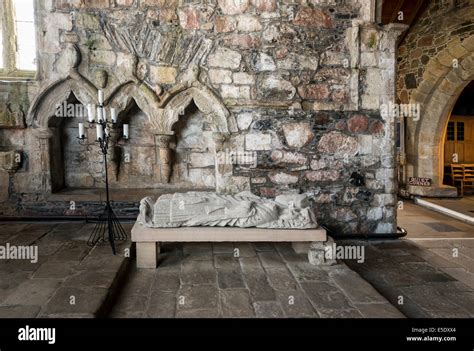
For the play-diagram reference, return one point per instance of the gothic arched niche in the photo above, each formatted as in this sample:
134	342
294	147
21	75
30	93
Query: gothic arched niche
213	110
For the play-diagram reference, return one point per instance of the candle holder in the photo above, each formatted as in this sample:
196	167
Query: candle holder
108	227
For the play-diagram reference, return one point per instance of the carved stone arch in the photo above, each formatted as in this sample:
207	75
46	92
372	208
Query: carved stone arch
46	102
215	112
144	97
445	77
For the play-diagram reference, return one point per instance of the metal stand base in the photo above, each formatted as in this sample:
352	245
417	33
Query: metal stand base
108	229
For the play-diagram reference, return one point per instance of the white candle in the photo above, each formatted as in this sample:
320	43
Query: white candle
81	131
125	131
101	97
90	113
100	114
113	115
107	131
104	114
100	131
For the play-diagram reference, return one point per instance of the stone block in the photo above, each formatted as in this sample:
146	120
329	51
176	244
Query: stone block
281	279
225	24
220	76
230	278
283	178
198	297
236	303
262	62
243	78
258	142
163	75
230	7
338	144
235	92
312	17
248	23
274	87
298	135
147	254
225	58
268	309
198	272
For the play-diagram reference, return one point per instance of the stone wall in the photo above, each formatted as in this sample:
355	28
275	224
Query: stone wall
303	81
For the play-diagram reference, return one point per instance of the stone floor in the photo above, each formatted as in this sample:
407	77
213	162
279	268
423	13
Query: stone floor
464	205
69	279
267	280
430	273
432	269
422	224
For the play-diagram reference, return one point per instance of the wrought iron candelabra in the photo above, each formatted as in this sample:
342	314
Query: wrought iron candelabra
108	227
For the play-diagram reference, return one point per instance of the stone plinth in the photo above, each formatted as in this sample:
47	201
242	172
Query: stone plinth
148	239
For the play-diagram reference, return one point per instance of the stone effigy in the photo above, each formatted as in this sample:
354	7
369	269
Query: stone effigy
243	210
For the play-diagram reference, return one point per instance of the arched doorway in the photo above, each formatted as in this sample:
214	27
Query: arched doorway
459	137
443	82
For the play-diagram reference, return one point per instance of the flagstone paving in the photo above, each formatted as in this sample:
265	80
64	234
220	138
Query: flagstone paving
70	279
430	273
422	275
266	280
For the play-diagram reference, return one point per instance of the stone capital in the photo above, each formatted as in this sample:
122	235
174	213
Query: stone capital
163	140
43	133
396	29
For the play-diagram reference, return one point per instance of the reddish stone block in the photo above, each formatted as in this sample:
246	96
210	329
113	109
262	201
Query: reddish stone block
425	41
245	41
281	53
233	7
376	128
322	176
314	91
265	5
268	192
189	18
224	24
358	124
339	95
308	17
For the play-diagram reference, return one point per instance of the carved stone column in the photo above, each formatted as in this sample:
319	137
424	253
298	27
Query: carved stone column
224	166
10	162
164	156
44	136
113	156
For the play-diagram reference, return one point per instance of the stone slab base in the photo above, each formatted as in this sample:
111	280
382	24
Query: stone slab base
444	191
148	239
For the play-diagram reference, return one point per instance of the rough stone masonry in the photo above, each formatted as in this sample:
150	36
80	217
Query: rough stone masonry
303	80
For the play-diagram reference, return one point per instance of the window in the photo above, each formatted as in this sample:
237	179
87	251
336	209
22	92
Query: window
17	38
460	130
450	133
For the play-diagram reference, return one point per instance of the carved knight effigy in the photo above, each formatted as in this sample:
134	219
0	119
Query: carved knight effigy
244	210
